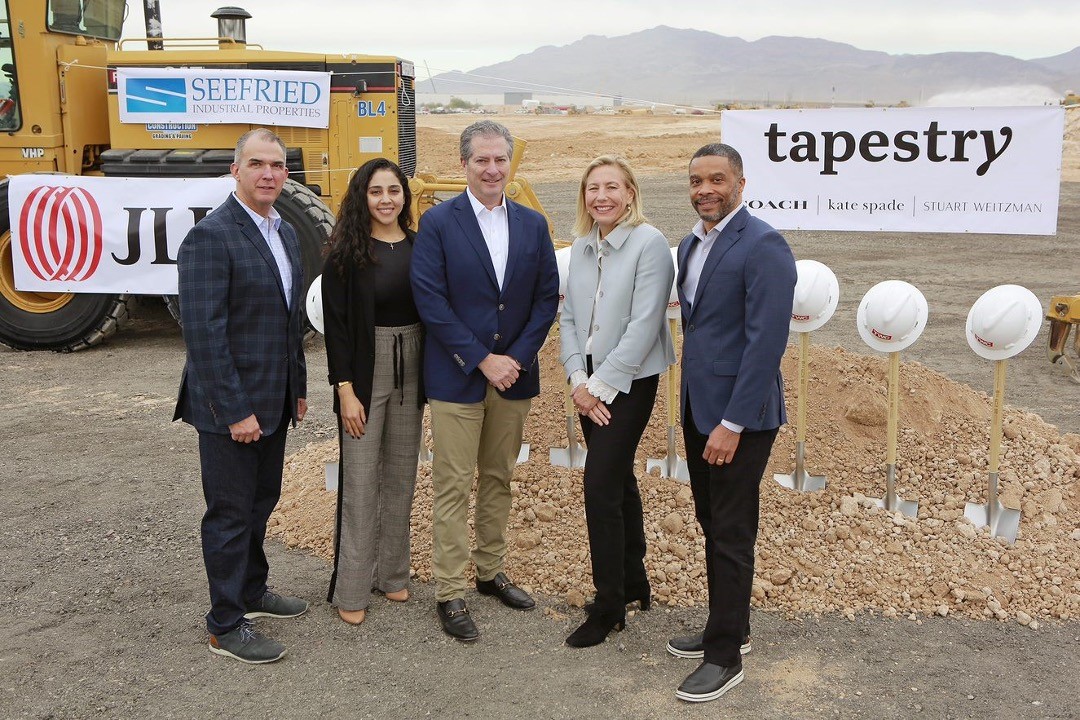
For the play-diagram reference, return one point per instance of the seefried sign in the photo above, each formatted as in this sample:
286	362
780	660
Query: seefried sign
104	235
956	170
206	95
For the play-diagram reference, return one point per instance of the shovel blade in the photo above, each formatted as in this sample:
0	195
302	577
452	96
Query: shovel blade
909	508
523	454
573	457
805	483
673	467
1006	521
331	476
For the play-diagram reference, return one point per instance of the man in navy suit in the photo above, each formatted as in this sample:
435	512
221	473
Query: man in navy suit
736	282
486	286
241	290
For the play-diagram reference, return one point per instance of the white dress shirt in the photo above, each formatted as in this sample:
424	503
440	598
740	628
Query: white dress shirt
695	262
270	229
496	231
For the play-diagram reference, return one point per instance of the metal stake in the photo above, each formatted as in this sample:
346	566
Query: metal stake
1004	522
799	479
893	502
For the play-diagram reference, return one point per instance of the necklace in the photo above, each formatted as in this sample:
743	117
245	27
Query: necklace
391	243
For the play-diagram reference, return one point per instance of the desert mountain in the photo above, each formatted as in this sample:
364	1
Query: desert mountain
692	66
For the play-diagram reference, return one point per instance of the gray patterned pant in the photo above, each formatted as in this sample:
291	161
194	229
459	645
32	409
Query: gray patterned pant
378	476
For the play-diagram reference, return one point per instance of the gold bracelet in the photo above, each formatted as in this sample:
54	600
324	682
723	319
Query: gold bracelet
344	383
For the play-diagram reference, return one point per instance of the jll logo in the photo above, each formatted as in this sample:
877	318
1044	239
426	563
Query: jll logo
60	232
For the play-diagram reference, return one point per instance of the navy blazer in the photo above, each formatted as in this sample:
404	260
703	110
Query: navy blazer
465	314
735	333
244	344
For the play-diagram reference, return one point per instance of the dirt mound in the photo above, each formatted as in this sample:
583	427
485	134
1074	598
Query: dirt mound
832	551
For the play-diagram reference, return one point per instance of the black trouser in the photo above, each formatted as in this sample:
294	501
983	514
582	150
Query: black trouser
726	501
241	483
612	502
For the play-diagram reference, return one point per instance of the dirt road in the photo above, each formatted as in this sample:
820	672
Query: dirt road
103	590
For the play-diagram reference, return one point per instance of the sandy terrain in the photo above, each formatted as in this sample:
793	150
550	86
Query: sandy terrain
103	589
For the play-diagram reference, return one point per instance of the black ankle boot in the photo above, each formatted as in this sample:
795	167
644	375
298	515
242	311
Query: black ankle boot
595	629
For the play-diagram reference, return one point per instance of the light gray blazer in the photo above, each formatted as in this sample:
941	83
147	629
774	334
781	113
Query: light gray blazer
630	333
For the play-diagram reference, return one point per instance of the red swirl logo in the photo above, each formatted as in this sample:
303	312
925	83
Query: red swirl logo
60	233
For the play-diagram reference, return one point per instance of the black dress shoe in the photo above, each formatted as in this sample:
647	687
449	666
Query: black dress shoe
509	593
693	646
595	629
455	620
709	682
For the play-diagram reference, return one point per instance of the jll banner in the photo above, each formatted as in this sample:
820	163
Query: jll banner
205	95
954	170
104	235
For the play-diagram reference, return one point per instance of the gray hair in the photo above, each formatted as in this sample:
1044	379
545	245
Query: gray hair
487	128
724	151
262	134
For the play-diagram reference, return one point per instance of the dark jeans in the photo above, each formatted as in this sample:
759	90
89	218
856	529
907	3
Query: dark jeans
612	503
726	501
241	483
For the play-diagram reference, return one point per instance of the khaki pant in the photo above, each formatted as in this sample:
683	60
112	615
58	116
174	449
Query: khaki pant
485	438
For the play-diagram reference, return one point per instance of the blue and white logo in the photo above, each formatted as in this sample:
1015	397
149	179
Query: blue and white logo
156	95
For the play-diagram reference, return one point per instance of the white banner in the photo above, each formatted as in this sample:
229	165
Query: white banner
104	235
955	170
204	95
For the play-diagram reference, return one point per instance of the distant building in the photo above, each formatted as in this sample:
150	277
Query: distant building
516	98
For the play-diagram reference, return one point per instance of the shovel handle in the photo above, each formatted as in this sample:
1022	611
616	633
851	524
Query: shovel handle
997	419
804	385
894	407
672	382
570	409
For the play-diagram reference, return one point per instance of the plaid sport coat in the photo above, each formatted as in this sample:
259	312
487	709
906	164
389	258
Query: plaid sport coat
245	352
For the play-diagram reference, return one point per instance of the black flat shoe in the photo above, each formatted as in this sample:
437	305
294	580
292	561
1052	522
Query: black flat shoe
455	620
510	594
709	682
595	629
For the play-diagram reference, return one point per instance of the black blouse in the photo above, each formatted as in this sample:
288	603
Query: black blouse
394	304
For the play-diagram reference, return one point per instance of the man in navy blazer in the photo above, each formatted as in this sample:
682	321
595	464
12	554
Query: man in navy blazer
241	292
736	282
486	286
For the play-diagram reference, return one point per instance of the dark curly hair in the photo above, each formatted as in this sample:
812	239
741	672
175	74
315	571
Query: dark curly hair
351	239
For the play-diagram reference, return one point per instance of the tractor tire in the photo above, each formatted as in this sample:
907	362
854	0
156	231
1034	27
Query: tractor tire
311	220
64	322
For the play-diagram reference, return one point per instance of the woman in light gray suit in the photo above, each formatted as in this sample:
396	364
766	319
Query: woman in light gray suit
615	345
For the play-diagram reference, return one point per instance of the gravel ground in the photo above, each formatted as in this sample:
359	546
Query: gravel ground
103	589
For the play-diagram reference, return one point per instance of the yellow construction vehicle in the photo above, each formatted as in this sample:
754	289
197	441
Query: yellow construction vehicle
1063	314
67	107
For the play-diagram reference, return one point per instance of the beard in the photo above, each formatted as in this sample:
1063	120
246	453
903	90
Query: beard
722	211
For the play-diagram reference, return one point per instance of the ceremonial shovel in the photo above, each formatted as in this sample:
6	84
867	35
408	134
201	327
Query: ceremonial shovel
573	455
799	479
1004	522
891	501
671	466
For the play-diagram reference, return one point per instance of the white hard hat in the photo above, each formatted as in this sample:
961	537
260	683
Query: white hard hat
562	259
816	294
674	312
313	304
1003	322
892	316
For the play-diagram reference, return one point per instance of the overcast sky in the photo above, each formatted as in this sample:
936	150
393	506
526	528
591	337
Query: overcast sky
448	35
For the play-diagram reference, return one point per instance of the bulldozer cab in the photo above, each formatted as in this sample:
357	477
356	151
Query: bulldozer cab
10	117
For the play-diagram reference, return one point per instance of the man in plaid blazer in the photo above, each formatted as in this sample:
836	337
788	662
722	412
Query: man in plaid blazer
241	291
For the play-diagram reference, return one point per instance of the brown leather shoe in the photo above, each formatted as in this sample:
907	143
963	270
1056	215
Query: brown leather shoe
352	617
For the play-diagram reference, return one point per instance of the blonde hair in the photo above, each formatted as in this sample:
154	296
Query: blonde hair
634	215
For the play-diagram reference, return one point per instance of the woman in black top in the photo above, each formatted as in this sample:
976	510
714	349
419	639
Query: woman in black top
373	350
